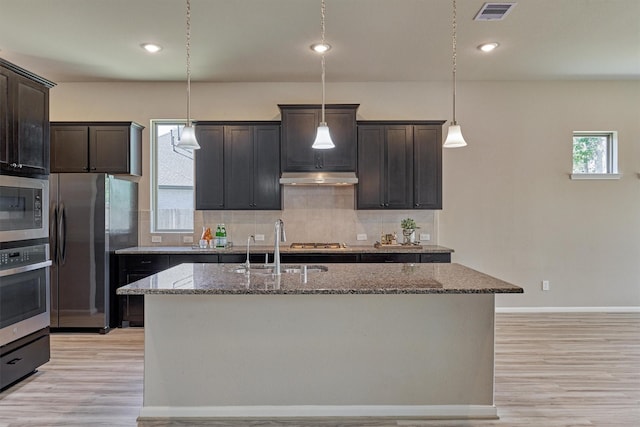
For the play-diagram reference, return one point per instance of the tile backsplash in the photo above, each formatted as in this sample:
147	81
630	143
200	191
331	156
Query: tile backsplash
310	214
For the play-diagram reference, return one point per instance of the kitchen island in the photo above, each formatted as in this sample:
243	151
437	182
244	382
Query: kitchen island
341	340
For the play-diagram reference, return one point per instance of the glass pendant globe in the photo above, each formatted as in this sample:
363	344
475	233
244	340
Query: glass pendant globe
454	138
323	138
188	139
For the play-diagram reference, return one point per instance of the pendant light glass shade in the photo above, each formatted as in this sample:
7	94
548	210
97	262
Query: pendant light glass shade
188	139
323	138
454	137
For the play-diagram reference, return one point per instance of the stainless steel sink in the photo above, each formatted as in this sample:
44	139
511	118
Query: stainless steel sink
291	269
300	269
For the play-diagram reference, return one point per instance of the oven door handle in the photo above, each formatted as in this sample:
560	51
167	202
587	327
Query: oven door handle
62	234
25	268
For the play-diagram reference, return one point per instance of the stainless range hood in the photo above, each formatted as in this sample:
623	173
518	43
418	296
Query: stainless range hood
318	178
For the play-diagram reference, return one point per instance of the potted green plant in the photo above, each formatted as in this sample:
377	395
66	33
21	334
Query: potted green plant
409	227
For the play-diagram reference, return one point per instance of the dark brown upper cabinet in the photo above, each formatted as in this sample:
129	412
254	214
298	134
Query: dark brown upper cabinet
104	147
399	165
24	121
209	167
299	125
385	167
238	166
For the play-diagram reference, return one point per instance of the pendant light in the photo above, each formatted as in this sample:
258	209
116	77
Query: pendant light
323	138
188	139
454	136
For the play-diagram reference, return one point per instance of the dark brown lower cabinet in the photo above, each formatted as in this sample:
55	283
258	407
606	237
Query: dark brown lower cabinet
136	267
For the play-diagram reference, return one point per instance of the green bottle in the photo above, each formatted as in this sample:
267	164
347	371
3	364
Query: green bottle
219	237
223	236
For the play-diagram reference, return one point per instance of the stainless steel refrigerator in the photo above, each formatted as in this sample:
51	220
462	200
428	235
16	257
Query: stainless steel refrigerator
91	216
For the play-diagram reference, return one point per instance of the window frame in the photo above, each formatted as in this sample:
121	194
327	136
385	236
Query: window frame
154	176
611	153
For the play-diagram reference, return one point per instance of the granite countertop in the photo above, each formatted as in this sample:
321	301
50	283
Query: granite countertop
439	278
242	249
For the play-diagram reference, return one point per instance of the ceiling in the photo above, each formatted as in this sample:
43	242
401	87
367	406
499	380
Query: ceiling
268	40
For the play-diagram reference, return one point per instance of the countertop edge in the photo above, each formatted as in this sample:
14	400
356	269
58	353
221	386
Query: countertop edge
180	250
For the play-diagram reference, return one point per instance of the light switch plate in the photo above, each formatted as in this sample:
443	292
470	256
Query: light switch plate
425	237
361	237
259	237
156	239
187	239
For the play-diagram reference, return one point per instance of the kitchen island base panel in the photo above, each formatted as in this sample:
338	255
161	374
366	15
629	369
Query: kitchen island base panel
425	355
274	413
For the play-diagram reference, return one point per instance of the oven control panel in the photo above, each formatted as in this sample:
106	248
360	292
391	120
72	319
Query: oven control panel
18	257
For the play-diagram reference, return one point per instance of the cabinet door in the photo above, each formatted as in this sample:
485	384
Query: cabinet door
371	155
398	188
298	133
238	167
69	148
4	117
266	168
109	149
210	168
342	127
31	118
427	167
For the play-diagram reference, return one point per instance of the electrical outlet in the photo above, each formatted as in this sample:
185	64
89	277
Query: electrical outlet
259	237
361	237
425	237
187	239
156	239
545	285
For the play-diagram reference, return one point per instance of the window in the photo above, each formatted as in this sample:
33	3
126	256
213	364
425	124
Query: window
172	179
595	155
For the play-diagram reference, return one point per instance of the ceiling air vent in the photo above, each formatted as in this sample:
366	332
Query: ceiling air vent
493	11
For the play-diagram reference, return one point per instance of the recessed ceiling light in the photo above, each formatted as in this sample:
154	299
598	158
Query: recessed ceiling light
320	47
151	47
488	47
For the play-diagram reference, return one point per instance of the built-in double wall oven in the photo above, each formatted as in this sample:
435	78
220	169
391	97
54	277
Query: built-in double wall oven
24	276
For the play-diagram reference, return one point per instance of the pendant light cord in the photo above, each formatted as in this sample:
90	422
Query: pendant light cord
188	63
453	26
322	14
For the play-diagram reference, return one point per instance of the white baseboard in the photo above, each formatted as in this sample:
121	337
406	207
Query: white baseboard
298	411
619	309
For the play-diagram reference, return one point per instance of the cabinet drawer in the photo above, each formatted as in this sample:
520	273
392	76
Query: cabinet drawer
146	262
435	257
318	258
390	258
24	360
256	258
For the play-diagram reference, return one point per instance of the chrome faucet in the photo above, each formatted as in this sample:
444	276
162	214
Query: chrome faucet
249	239
279	236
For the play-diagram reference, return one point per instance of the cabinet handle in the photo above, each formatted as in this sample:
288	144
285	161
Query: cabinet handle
14	165
145	262
386	205
417	205
14	361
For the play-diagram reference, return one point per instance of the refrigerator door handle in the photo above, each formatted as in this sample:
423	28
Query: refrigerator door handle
62	234
53	232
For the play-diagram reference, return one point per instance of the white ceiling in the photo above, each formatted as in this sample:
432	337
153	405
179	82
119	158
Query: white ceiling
268	40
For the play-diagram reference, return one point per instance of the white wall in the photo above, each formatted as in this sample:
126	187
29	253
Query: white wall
510	209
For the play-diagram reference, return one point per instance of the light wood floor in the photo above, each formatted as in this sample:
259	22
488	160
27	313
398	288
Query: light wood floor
552	370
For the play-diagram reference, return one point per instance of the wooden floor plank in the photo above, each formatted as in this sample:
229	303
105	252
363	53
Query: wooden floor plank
552	370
